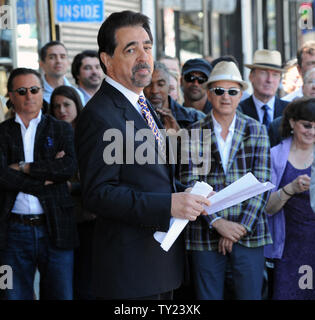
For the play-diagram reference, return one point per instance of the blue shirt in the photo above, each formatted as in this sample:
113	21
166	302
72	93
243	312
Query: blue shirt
48	89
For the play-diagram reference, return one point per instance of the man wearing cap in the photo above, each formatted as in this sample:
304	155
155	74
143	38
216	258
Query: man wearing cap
237	235
195	73
265	76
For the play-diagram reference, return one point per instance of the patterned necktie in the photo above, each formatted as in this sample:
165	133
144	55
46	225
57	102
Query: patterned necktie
150	121
266	119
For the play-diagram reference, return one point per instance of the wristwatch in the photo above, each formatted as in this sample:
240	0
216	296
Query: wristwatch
22	165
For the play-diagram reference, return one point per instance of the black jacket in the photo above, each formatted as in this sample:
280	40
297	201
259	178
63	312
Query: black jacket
51	137
131	202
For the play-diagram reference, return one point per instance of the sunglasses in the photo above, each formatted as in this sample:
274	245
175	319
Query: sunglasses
23	91
191	78
221	91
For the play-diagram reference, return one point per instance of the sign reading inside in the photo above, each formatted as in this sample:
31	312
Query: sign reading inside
79	10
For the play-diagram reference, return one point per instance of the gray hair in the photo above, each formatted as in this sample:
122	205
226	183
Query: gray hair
162	67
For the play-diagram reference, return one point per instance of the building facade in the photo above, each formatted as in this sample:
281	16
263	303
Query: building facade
181	28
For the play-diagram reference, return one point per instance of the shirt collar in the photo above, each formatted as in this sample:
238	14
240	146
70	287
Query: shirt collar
34	121
217	127
130	95
259	103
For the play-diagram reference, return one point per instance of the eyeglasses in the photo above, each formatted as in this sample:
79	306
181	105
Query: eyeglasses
191	78
221	91
23	91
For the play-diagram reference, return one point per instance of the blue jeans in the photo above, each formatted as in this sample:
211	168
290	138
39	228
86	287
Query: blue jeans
29	247
247	267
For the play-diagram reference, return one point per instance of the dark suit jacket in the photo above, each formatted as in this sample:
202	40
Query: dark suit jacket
248	107
131	202
274	132
51	137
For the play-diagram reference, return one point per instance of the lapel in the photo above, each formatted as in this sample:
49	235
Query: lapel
39	136
252	112
215	153
277	112
17	140
131	114
239	131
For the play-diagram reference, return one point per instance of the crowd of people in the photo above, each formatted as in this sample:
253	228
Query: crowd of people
79	205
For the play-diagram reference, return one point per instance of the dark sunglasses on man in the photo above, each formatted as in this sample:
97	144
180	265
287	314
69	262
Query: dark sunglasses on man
23	91
221	91
191	78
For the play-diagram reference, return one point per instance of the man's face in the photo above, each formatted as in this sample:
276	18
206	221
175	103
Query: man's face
309	86
30	104
265	83
132	62
193	90
308	60
157	91
56	62
226	104
91	74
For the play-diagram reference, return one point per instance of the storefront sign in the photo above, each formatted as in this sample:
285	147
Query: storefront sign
79	10
26	11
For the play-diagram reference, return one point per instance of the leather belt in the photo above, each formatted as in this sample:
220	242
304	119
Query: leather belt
33	220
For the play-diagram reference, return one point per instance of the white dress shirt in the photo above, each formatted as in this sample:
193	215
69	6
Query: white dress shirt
261	112
26	203
131	96
224	145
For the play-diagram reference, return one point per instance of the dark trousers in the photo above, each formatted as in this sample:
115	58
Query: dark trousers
247	267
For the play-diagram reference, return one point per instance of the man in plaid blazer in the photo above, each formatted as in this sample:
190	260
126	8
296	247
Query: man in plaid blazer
37	222
237	235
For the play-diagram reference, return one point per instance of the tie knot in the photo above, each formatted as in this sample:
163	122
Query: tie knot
265	107
141	99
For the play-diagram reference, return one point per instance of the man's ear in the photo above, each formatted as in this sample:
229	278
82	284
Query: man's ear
106	59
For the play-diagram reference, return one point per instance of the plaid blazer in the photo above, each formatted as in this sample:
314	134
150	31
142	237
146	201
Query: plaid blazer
250	152
51	137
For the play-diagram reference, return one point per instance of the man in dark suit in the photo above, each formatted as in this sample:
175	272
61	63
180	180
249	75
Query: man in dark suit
132	198
265	76
37	224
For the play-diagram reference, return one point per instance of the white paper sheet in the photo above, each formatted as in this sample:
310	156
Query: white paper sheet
177	225
244	188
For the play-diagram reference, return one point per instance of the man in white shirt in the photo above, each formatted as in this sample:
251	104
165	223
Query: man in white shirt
236	236
306	61
265	75
38	229
132	200
54	62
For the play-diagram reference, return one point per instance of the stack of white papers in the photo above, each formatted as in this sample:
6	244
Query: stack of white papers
177	225
243	189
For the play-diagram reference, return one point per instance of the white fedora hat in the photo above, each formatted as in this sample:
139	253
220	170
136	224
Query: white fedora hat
266	59
227	71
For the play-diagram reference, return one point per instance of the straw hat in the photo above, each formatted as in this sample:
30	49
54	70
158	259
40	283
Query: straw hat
227	71
266	59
